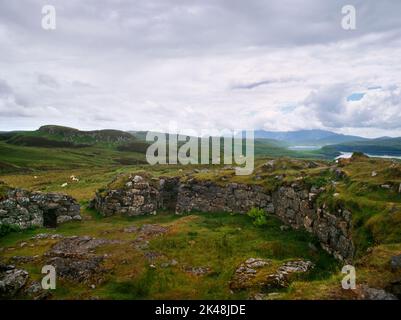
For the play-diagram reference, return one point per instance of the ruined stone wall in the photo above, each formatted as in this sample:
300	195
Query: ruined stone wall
26	209
295	205
137	197
206	196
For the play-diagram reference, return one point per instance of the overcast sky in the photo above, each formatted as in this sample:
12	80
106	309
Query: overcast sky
202	64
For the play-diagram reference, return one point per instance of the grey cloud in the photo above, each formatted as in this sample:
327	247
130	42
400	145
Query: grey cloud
48	81
5	89
253	85
109	58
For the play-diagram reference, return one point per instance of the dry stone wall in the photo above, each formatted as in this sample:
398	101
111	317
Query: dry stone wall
26	209
295	205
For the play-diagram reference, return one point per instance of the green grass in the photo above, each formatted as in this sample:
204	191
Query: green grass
218	241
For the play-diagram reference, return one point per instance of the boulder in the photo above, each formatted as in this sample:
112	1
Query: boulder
12	280
282	277
376	294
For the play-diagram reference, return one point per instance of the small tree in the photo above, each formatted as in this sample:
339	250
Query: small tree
258	216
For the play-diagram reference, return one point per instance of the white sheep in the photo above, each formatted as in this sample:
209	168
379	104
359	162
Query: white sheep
74	178
64	185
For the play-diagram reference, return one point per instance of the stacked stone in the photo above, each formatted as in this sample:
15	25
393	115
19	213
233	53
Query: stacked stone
25	209
137	197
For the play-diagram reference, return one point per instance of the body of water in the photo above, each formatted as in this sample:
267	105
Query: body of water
304	148
347	155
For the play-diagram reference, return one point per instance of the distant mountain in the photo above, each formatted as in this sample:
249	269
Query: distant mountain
307	137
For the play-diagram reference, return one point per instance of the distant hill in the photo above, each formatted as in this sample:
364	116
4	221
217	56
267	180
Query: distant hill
52	136
89	136
379	146
307	137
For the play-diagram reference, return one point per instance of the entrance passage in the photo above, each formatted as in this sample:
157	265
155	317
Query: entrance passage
50	219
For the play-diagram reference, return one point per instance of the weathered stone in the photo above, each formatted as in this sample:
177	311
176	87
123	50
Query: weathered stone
74	258
376	294
197	271
247	271
11	280
36	292
283	275
26	209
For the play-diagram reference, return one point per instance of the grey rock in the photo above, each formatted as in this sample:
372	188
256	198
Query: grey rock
376	294
11	281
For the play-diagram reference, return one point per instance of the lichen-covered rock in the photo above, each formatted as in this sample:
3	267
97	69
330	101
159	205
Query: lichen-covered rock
246	272
75	260
261	274
11	280
282	277
36	292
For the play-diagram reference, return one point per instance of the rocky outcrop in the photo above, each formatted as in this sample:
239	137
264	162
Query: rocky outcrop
294	204
11	280
75	260
246	272
263	274
283	276
25	209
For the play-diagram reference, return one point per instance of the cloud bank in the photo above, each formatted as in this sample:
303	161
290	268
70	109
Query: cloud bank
138	65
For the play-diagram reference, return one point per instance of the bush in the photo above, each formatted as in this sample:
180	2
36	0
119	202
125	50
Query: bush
258	216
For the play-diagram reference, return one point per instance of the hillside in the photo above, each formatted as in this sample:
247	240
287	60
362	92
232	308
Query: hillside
380	147
52	147
63	147
170	256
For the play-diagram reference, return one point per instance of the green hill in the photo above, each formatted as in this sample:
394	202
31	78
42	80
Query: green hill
380	147
52	136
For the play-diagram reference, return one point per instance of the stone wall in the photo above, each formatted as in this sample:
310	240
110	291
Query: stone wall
295	205
26	209
206	196
137	197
